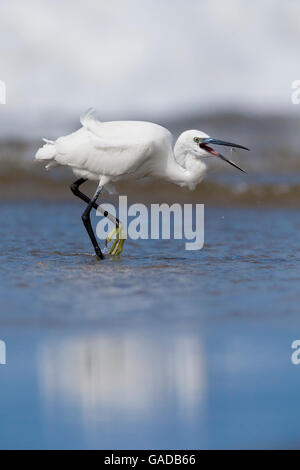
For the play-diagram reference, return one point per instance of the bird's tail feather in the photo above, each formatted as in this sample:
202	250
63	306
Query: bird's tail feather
47	153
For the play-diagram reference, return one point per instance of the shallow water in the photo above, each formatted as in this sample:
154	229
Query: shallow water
163	348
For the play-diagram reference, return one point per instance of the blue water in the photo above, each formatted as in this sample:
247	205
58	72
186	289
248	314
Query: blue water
163	348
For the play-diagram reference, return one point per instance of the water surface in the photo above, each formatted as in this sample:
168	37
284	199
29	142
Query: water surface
163	348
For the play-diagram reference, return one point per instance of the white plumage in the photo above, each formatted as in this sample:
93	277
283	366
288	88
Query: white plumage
110	151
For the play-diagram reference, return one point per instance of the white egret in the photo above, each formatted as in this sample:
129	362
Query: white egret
107	152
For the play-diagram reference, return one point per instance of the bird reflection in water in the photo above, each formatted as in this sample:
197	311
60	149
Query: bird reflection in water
105	374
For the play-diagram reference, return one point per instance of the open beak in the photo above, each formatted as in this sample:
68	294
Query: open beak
211	140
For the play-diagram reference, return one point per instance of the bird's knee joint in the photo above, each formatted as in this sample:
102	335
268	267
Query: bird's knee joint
74	188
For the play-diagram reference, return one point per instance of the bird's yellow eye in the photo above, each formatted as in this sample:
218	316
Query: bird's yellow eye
197	140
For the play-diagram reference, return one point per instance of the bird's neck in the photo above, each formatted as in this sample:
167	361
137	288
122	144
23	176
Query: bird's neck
189	172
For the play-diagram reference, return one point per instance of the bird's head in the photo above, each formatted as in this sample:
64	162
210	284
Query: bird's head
198	143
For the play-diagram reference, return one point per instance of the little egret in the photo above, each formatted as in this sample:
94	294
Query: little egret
107	152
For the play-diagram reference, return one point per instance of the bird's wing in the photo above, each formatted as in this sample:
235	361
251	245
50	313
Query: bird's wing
93	149
118	158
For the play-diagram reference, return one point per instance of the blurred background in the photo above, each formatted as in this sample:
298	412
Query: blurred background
225	68
162	348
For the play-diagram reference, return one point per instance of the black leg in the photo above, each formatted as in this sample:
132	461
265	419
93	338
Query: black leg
86	219
74	188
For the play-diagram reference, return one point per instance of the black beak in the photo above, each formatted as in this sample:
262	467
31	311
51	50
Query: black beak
231	163
211	140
